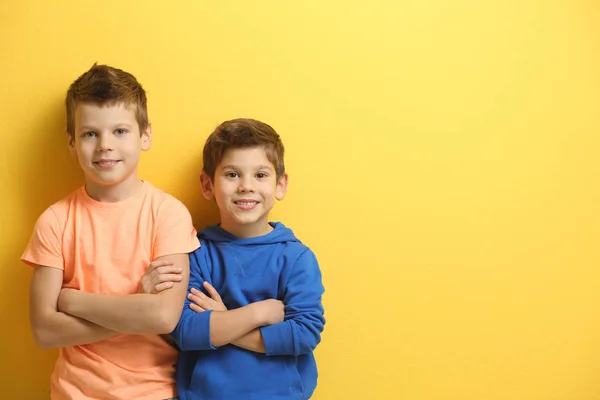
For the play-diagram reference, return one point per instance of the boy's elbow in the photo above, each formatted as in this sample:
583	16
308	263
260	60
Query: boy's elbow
189	335
44	338
42	341
166	321
309	344
310	335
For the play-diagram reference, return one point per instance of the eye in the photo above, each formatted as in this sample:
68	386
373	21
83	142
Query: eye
231	174
262	175
89	134
121	131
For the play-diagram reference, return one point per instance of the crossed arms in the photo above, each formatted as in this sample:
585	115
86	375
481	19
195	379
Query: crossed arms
292	326
67	317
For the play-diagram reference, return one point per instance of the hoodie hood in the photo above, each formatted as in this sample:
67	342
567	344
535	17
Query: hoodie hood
279	234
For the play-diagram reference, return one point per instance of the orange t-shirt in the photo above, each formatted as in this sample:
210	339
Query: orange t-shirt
105	248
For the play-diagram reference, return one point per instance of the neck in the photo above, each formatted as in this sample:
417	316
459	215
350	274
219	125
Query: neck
113	194
246	231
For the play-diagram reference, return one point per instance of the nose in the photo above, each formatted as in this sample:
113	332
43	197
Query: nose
245	184
104	142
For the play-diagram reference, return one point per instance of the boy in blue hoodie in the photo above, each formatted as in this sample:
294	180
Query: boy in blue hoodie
252	332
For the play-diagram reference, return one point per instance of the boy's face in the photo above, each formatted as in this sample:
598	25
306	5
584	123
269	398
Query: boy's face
245	188
107	143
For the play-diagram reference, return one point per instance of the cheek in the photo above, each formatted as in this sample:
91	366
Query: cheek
270	190
82	152
220	195
132	148
225	189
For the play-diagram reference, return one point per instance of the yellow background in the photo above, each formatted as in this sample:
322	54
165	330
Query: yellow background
442	158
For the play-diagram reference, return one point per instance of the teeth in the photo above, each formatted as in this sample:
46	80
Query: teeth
246	203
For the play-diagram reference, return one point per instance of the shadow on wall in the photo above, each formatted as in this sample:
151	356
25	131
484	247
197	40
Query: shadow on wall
47	172
204	212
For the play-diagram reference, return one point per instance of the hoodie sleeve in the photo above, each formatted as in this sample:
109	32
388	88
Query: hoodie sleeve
304	321
193	330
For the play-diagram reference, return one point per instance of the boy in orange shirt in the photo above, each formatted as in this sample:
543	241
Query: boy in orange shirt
90	250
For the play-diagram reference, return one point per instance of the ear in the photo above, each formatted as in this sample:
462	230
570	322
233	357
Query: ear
207	186
147	138
281	188
71	144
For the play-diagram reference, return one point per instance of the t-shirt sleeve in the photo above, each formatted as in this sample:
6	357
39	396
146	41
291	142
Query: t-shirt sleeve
175	233
45	245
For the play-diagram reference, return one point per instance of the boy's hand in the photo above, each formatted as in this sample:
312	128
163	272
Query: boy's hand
270	311
160	275
201	302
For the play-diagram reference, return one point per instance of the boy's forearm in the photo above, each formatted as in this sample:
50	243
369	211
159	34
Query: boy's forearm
134	314
210	329
229	326
62	330
252	341
52	328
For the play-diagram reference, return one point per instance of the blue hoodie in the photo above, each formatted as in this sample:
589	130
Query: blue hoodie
243	271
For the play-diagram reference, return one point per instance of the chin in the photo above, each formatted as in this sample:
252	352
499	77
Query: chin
245	222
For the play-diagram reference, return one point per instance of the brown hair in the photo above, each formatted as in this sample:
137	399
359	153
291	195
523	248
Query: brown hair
104	85
242	133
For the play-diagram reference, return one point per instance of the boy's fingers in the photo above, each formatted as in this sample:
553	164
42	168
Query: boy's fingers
198	293
157	274
203	302
167	269
194	299
212	291
196	307
168	278
162	286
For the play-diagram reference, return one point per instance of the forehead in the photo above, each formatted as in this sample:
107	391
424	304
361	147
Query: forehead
101	114
246	157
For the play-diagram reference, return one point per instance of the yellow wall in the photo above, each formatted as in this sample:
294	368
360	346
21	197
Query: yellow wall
443	163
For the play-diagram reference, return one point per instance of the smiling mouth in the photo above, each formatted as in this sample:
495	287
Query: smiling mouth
246	203
106	163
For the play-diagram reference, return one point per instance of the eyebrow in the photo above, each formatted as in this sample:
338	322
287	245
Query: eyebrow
230	166
117	126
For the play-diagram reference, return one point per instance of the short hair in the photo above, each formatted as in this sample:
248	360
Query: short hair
238	134
105	85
